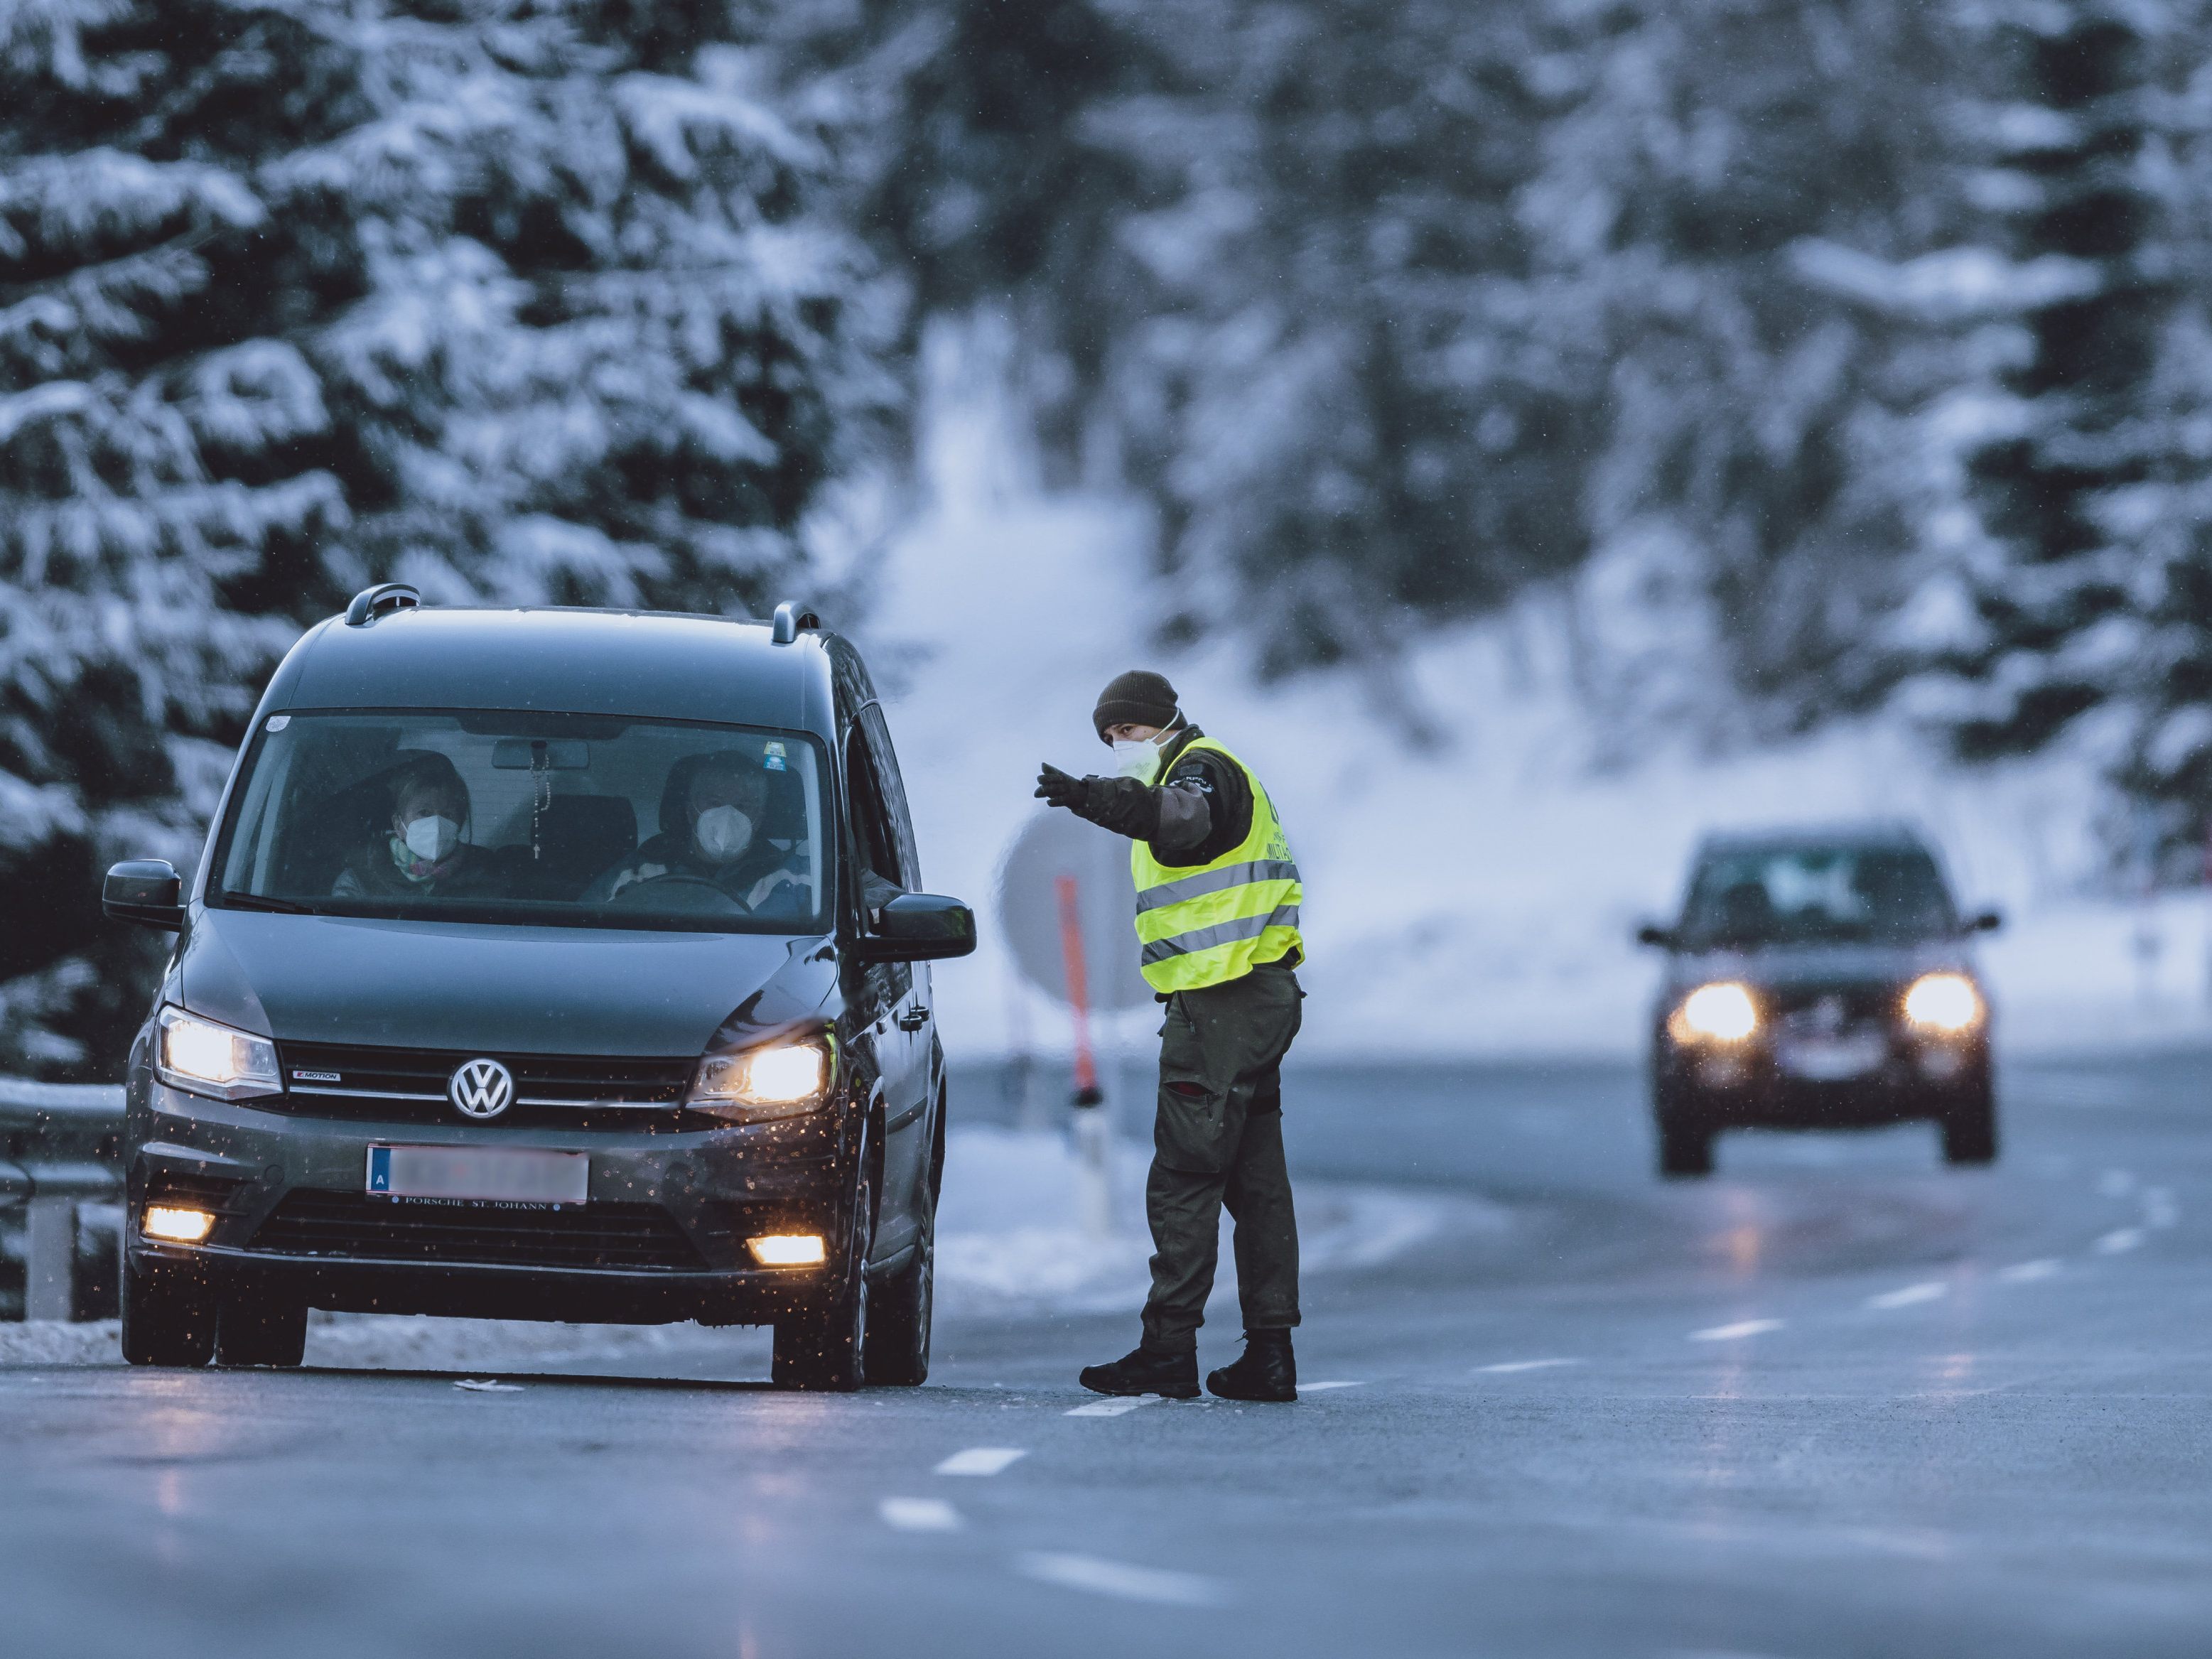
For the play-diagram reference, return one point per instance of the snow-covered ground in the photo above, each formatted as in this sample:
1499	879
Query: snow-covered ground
1478	897
1012	1240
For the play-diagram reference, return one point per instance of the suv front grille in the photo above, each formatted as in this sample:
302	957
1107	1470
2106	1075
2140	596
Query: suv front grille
325	1079
353	1226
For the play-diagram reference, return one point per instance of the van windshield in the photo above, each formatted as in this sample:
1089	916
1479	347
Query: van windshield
1817	895
576	820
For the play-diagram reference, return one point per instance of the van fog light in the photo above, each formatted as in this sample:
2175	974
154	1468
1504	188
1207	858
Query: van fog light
1943	1003
788	1251
169	1221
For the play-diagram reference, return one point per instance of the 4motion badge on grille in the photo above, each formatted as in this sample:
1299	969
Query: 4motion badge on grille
482	1089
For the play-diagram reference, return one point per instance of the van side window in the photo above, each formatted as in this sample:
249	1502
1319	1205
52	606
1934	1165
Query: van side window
875	848
892	788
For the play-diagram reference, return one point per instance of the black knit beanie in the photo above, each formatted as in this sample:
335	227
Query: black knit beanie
1138	697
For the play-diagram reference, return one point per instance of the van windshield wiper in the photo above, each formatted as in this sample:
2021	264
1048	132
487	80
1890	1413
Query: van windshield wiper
255	901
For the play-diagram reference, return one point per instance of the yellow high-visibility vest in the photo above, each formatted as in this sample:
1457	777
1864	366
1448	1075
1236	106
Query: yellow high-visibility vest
1215	922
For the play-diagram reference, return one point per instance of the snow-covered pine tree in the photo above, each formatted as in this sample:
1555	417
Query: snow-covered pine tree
520	299
2058	591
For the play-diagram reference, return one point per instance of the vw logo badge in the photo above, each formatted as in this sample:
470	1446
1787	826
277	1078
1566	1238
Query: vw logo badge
482	1089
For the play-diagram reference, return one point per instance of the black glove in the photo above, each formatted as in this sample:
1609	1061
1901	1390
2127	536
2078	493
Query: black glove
1061	789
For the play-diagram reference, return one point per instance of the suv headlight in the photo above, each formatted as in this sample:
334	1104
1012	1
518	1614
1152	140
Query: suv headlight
1944	1003
777	1080
1715	1013
207	1059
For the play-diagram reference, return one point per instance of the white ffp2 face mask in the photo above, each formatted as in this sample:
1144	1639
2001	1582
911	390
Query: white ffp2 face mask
1137	758
432	839
723	832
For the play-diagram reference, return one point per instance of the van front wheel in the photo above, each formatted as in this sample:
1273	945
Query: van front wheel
898	1319
168	1315
820	1349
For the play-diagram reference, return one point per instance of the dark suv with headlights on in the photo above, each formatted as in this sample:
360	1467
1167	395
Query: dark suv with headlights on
1820	980
546	965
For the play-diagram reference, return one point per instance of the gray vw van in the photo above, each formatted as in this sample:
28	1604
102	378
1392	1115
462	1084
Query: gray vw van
546	965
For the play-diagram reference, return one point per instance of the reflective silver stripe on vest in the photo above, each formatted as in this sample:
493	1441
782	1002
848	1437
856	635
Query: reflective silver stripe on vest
1225	933
1216	881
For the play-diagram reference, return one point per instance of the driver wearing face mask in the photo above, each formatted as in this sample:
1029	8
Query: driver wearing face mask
717	837
422	851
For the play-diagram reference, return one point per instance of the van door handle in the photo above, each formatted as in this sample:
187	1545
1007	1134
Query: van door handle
914	1018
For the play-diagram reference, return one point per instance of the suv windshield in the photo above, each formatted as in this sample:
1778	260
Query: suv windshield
1810	895
572	819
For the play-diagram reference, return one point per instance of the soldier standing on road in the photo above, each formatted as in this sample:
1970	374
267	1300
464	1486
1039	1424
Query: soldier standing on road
1218	924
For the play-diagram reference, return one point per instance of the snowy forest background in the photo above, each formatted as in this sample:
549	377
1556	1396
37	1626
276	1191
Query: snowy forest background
1864	347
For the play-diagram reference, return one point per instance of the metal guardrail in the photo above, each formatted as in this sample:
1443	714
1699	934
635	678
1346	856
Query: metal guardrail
59	1145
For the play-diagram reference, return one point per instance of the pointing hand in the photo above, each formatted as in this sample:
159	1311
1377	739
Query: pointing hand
1059	788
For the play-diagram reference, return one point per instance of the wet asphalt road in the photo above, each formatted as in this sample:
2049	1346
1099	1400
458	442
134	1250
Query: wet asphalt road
1836	1402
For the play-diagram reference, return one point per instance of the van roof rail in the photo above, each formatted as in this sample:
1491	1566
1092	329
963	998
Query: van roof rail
790	617
385	597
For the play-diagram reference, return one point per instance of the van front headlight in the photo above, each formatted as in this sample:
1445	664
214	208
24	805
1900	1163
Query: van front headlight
776	1079
1715	1013
207	1059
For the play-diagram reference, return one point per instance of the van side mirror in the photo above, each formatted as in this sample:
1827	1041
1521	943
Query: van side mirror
1656	936
148	891
1985	921
918	927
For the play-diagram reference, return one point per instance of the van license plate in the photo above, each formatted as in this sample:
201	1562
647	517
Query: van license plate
503	1175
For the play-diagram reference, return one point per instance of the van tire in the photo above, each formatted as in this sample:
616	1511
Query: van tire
821	1348
899	1318
168	1315
261	1330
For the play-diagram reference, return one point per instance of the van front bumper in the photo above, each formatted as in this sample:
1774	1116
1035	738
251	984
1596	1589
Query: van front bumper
660	1237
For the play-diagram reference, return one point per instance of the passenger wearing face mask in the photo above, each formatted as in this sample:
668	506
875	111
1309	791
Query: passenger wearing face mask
422	851
1218	896
711	816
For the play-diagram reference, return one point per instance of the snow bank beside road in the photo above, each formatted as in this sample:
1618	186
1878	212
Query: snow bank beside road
1010	1236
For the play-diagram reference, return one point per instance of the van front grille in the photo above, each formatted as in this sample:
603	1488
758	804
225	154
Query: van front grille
324	1079
353	1226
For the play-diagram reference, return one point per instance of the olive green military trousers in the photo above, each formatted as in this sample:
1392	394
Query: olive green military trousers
1216	1143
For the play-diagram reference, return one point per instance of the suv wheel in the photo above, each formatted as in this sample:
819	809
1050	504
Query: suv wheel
1970	1128
1685	1139
898	1318
821	1348
261	1330
168	1315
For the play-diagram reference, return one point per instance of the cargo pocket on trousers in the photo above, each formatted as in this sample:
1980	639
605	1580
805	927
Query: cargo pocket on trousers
1187	1130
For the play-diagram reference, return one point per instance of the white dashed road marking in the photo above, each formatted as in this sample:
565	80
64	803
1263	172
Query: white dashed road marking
1933	1290
1506	1368
2026	1272
2158	1208
2116	1183
1114	1407
920	1514
2119	1241
981	1459
1316	1387
1131	1584
1741	1327
475	1387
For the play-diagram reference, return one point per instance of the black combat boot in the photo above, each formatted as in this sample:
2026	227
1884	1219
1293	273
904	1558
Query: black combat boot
1267	1370
1145	1370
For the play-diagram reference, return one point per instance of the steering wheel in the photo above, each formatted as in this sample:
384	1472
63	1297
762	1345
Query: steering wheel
679	892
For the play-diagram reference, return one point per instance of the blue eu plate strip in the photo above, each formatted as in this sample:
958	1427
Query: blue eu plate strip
379	1169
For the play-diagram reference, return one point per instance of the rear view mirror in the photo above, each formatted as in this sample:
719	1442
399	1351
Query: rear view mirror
919	927
1651	933
541	754
1984	921
148	891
